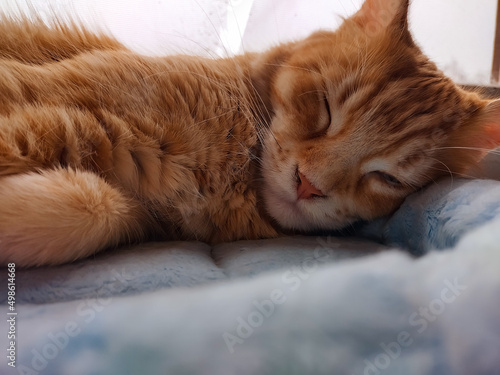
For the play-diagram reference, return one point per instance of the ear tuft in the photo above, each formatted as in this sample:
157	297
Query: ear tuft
377	16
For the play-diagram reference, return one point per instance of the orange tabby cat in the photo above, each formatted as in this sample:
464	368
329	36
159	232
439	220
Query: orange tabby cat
101	146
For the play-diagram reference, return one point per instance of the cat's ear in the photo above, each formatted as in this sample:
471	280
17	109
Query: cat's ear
471	140
470	143
379	16
487	127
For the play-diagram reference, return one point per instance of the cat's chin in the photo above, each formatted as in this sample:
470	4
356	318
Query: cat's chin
291	213
301	215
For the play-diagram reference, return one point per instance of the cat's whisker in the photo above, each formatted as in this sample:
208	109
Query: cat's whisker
446	169
262	127
467	148
221	86
259	104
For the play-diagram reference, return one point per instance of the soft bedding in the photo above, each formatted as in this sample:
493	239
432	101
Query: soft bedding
421	299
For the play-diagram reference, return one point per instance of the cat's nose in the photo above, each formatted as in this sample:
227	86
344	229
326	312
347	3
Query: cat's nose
306	190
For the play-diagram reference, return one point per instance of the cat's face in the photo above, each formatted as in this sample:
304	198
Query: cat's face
361	120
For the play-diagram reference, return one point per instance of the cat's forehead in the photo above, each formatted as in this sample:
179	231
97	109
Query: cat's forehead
390	99
392	93
328	57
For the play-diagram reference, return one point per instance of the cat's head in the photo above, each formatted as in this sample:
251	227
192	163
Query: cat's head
361	119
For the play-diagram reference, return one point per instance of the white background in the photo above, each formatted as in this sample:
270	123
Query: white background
457	34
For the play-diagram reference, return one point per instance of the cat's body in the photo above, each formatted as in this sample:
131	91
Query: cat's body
101	146
183	140
178	138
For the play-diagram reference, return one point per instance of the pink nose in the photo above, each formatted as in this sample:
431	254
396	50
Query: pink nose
306	190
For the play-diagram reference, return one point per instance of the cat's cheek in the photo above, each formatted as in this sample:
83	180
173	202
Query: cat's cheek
379	202
279	179
280	188
289	126
328	214
283	211
280	120
309	215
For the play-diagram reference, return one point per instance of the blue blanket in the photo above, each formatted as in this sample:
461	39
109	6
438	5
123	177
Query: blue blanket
299	305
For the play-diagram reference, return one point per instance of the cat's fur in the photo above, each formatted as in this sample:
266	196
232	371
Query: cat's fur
101	146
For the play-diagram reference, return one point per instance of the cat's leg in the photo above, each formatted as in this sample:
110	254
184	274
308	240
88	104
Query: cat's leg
60	215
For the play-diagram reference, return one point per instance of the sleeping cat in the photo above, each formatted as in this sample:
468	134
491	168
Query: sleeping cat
100	146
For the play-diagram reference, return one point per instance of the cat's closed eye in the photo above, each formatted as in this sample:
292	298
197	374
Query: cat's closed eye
328	120
386	178
325	118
